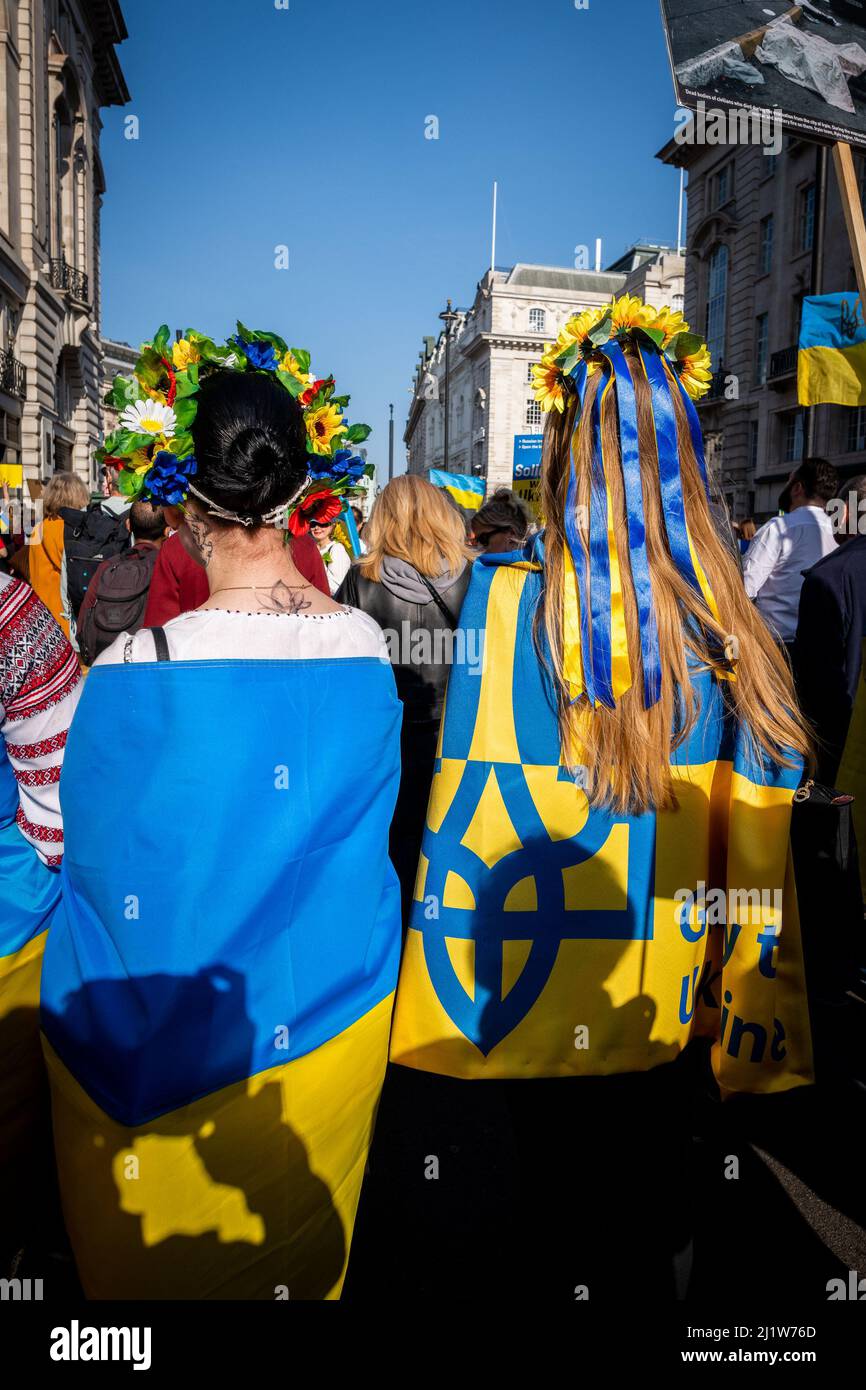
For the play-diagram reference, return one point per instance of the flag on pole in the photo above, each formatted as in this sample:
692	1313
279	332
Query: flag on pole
831	363
468	492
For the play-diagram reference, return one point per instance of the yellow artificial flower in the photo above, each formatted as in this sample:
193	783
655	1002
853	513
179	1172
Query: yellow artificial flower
183	353
670	322
696	372
576	330
547	385
631	312
291	365
323	426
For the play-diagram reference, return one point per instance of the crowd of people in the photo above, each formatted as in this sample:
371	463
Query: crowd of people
359	851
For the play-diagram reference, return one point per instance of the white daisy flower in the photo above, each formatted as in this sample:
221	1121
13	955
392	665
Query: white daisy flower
149	417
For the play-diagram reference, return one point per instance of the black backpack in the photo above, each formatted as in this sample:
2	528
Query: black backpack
118	603
89	537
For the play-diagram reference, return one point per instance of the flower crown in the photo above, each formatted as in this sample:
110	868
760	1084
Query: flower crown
625	320
153	446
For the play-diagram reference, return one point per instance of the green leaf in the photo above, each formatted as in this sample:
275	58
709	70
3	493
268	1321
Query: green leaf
124	391
187	384
160	342
685	345
130	484
291	383
655	335
302	357
601	333
570	358
185	411
183	445
149	369
356	434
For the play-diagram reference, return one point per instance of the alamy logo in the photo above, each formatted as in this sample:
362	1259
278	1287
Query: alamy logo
21	1290
853	1288
76	1343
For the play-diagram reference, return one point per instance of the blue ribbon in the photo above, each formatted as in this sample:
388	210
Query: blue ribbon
669	466
695	432
599	568
572	535
630	453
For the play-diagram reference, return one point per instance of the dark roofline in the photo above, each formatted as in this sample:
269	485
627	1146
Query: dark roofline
108	27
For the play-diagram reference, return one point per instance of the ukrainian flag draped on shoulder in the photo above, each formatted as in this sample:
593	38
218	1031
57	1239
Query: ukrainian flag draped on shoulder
217	989
551	939
831	363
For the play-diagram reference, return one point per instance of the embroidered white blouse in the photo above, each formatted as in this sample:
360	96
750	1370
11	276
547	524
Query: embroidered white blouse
223	634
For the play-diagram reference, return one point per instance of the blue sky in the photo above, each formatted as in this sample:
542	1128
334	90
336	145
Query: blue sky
305	127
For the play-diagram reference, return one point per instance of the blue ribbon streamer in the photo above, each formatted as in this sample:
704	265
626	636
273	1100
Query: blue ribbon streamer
669	466
599	568
695	432
572	535
630	453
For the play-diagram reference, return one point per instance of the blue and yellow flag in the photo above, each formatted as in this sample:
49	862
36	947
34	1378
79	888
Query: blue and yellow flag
217	985
831	363
467	491
29	895
551	939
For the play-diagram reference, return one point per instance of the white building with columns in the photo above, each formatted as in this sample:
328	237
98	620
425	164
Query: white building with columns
494	345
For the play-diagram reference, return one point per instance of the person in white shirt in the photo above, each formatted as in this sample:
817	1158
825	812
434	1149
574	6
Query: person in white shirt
787	545
335	556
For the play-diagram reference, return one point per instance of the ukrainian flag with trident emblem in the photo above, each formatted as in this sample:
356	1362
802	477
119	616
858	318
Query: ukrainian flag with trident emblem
548	938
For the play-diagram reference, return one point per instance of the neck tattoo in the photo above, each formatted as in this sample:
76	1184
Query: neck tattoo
278	598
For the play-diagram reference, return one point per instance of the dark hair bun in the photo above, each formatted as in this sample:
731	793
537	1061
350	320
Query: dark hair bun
250	442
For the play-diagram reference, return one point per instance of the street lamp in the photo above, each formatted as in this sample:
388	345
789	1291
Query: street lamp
449	318
391	444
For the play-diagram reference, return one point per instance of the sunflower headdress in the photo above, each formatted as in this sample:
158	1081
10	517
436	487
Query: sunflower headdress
673	361
153	446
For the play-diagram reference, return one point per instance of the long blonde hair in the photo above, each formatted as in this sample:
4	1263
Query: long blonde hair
64	489
414	521
626	750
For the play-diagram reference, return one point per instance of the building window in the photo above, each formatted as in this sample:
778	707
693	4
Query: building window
792	438
722	188
678	302
857	430
771	162
534	417
717	304
529	369
536	320
754	430
765	260
762	338
807	218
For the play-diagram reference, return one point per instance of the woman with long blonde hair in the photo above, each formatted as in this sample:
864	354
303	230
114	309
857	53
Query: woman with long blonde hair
64	489
412	580
605	873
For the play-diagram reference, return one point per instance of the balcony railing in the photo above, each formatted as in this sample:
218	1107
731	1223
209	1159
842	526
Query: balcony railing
65	277
717	386
783	364
13	375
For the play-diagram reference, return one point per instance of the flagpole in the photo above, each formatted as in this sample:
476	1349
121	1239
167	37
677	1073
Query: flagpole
680	213
493	239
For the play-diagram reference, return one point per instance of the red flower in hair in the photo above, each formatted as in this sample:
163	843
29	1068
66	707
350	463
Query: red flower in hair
319	505
313	391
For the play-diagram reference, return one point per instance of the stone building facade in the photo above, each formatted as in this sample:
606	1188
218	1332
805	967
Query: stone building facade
58	68
753	223
494	345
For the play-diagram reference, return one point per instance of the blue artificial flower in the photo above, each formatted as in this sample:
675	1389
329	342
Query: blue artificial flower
167	480
261	355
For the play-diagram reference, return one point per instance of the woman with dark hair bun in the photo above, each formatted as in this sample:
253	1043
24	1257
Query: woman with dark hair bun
217	1001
